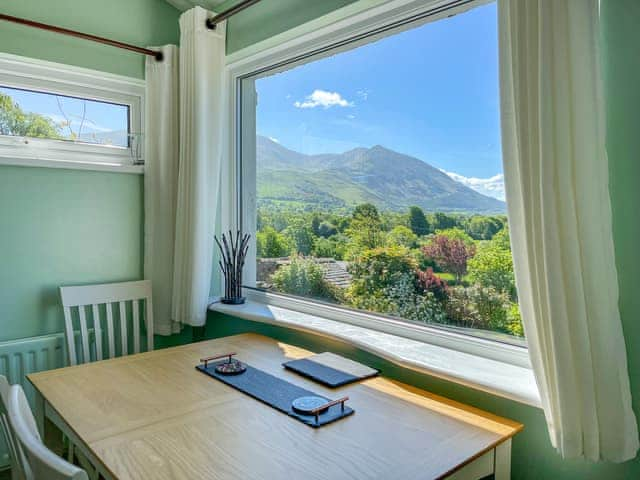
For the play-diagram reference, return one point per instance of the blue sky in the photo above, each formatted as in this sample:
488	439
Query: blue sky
100	118
430	92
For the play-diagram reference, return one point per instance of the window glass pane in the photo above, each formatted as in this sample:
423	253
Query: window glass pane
26	113
379	182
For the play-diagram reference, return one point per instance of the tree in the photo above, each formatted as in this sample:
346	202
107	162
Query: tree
14	121
402	236
365	230
451	253
442	221
418	222
492	267
502	239
483	228
272	244
315	225
300	235
324	247
327	229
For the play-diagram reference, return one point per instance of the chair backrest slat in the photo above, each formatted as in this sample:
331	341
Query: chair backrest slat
84	334
42	462
123	328
149	322
112	342
69	334
97	331
81	297
135	305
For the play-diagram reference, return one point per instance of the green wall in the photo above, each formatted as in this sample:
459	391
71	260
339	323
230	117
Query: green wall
139	22
533	456
270	17
622	65
60	226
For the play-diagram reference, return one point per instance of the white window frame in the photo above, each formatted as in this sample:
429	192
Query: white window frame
55	78
363	22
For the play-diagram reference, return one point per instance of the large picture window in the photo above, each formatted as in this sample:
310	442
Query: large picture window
373	178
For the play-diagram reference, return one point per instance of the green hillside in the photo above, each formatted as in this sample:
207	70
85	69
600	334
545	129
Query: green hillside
377	175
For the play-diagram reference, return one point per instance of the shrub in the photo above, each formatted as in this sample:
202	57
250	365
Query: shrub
514	320
491	306
377	268
478	307
406	303
303	277
460	309
427	281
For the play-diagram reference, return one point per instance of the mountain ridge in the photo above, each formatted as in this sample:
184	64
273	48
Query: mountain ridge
378	175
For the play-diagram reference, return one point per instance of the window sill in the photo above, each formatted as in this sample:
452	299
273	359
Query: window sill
495	377
70	164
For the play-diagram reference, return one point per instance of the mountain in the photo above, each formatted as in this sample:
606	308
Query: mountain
388	179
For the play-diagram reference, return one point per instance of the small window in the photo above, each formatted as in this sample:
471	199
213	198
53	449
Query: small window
31	114
57	115
372	179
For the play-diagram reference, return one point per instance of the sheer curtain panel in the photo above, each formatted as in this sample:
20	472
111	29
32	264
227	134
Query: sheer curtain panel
556	177
203	105
160	182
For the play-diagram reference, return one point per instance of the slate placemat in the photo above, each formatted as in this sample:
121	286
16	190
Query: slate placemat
276	393
330	369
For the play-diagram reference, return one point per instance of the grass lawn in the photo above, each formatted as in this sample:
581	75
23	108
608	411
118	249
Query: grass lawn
450	278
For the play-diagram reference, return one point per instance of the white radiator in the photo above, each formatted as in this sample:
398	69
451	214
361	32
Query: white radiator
20	357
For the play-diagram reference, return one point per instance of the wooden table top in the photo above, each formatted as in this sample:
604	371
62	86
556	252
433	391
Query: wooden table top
154	416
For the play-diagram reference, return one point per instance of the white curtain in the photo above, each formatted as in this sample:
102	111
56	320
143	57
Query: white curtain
203	105
160	182
560	216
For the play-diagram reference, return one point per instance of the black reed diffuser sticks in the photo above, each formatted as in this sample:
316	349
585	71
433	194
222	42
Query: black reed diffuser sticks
233	252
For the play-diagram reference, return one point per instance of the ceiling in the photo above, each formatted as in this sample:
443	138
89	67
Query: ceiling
183	5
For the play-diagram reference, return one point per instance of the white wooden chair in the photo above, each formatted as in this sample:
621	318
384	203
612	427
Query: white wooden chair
19	468
43	463
83	297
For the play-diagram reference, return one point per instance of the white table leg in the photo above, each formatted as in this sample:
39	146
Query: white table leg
502	468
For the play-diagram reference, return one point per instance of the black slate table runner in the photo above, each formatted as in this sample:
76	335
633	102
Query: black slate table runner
276	393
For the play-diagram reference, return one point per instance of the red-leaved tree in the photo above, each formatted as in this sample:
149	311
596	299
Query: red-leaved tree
450	253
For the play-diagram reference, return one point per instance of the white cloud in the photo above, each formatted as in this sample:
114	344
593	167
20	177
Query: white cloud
324	99
351	117
274	139
363	94
492	186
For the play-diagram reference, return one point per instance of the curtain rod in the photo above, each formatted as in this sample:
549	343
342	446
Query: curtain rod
210	23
